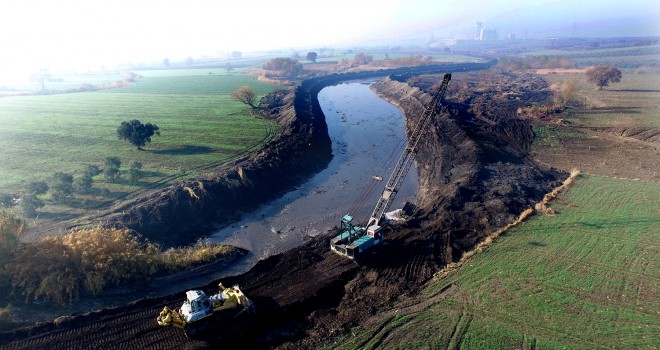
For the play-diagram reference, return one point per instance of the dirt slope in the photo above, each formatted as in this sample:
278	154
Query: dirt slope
475	174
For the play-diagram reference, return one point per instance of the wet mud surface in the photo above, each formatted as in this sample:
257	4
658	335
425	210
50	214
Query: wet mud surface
475	175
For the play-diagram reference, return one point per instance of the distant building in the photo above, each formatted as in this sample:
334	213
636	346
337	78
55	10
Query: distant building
480	27
483	33
488	34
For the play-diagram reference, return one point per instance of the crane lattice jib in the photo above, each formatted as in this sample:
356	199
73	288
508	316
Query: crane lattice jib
406	159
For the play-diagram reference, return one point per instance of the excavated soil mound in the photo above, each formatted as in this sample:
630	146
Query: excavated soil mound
475	176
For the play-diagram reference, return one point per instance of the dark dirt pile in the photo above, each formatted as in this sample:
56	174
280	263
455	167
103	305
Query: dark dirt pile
475	176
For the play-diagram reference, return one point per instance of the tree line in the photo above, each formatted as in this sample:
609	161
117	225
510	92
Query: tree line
62	186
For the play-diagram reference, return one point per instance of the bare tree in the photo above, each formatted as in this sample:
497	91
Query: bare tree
246	95
603	75
564	92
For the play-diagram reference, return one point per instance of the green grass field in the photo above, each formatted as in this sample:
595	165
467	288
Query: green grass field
624	57
633	102
587	278
381	56
201	126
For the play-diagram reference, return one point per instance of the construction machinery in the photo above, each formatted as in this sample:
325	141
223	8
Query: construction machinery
356	239
200	312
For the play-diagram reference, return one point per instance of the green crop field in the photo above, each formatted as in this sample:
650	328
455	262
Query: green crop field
201	126
587	278
624	57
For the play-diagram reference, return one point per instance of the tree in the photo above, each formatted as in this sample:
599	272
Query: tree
30	201
92	170
111	168
311	56
83	183
62	186
361	59
137	133
283	66
36	187
134	172
246	95
603	75
42	76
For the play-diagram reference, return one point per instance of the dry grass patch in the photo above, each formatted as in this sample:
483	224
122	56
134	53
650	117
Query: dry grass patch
89	261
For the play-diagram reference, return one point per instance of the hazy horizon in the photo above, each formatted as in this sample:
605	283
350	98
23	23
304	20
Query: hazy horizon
79	35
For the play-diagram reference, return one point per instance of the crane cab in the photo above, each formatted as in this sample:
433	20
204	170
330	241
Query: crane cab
354	240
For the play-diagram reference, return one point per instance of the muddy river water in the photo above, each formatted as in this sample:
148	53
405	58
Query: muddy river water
367	138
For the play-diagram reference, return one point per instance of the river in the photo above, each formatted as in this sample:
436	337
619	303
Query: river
368	137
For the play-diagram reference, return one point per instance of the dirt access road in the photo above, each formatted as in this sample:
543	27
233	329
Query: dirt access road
475	175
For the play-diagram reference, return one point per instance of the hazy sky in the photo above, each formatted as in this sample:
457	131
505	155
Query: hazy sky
59	34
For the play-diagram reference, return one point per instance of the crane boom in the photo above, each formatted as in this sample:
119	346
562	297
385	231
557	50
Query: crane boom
355	240
406	159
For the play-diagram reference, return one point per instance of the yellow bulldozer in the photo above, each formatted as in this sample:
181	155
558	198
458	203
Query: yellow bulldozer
200	312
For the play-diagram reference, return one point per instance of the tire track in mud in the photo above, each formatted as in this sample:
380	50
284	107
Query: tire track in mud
125	330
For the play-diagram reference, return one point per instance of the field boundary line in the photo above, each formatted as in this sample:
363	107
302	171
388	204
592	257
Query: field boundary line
539	207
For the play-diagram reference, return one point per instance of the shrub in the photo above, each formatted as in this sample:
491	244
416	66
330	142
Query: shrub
111	168
62	186
83	183
135	172
11	229
283	67
61	269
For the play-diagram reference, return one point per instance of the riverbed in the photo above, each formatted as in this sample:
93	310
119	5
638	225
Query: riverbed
367	139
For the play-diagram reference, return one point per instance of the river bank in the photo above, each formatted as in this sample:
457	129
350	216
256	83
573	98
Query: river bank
180	214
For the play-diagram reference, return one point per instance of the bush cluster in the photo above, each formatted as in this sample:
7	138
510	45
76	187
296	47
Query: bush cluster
86	262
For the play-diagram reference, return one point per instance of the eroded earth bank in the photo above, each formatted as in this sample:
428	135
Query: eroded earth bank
475	173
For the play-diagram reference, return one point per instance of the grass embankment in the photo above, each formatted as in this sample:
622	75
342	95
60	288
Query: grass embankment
201	127
584	278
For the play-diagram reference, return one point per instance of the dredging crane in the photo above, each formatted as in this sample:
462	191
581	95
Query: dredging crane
356	239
